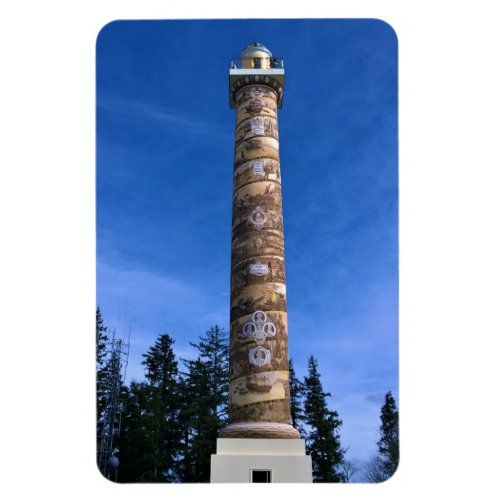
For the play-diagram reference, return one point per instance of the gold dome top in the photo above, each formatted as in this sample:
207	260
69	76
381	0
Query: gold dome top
256	55
255	49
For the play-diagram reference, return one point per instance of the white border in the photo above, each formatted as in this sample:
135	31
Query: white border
449	163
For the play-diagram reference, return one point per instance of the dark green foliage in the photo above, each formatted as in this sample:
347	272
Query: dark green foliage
323	440
150	432
388	444
200	425
214	352
172	420
384	464
296	400
102	375
149	437
160	363
138	442
161	411
204	409
101	340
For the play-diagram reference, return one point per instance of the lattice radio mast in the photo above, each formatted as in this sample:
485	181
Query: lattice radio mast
111	418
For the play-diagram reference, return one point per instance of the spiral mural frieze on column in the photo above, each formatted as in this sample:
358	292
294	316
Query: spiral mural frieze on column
265	297
257	126
259	389
256	148
263	169
257	243
257	270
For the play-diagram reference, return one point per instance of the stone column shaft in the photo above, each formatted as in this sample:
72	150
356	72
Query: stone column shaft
259	394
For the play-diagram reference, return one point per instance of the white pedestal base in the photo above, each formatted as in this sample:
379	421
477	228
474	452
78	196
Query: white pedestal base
286	460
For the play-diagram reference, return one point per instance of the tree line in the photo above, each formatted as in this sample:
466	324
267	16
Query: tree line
164	429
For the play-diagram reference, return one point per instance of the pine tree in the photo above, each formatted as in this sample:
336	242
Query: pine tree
296	399
186	464
101	342
205	394
384	464
163	407
388	444
101	338
323	441
138	440
214	351
200	425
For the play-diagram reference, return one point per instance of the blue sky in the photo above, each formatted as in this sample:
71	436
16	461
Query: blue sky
164	189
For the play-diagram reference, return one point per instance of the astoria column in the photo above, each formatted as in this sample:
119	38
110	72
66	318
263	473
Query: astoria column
259	392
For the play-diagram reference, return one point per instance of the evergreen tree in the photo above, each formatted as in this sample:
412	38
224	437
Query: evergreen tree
101	339
384	464
101	342
204	412
163	408
296	399
200	425
138	446
186	464
323	441
388	444
214	351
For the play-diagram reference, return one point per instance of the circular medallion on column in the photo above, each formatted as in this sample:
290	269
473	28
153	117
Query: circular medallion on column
259	356
258	218
259	328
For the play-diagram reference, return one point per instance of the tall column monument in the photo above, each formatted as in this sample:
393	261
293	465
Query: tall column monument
259	396
259	429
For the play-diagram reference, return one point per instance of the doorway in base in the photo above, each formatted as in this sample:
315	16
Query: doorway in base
261	476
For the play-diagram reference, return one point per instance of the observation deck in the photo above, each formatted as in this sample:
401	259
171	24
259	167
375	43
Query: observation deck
267	68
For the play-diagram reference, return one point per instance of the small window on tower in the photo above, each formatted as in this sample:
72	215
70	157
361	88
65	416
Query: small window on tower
261	476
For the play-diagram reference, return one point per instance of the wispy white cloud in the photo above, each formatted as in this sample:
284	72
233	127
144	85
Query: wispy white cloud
176	116
142	109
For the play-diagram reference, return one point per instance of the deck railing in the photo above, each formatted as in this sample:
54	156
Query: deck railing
256	63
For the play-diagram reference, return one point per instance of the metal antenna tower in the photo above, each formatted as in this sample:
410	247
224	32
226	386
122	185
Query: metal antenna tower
116	368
